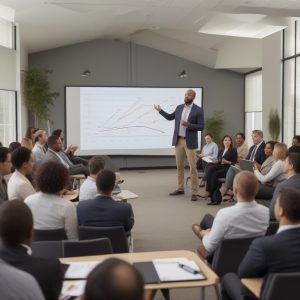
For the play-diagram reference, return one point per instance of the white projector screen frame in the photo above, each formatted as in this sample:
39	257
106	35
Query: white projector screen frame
122	120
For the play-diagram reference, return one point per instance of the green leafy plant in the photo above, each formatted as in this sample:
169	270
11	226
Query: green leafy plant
37	92
215	125
274	124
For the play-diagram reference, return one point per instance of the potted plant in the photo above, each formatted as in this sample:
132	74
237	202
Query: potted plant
37	92
215	125
274	124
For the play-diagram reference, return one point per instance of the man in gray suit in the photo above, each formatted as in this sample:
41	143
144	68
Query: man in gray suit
189	119
55	153
292	169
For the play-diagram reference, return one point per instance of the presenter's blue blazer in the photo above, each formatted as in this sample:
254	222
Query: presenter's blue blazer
196	120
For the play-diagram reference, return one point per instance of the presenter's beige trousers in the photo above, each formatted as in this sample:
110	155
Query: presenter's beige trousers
182	152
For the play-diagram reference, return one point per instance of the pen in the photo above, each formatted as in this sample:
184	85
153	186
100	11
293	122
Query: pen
188	269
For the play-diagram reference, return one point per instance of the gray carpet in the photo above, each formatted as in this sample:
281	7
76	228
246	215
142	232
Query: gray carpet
163	222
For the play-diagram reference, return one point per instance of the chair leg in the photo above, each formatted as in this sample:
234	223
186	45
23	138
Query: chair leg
202	297
166	293
218	294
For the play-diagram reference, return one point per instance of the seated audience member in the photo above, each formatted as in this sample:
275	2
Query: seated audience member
243	220
104	210
16	284
241	147
39	150
5	167
291	168
114	279
295	148
50	210
19	187
227	156
278	253
70	150
88	189
55	153
16	232
209	150
269	181
27	143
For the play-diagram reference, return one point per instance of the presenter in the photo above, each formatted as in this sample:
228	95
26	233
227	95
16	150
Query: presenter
189	119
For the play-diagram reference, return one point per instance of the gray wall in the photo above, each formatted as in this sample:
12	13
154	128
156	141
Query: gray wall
112	63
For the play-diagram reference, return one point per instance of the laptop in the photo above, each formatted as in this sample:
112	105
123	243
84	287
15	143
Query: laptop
247	165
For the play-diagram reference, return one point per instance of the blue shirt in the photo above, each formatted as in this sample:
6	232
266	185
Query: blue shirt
210	150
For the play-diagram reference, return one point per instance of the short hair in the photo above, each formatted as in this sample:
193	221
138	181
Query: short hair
114	279
289	201
282	151
223	138
297	137
105	181
16	222
96	164
13	146
258	132
272	144
38	134
247	185
3	153
241	134
57	132
294	159
294	149
209	134
51	177
20	156
52	139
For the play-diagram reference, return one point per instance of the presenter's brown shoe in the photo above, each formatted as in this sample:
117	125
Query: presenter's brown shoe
176	192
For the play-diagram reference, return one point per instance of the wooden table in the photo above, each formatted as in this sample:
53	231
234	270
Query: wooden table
211	277
253	285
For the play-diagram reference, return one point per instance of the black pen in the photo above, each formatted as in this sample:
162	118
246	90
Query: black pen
188	269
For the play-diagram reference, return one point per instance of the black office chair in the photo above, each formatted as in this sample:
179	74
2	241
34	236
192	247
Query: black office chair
282	286
57	249
116	235
273	227
229	254
264	202
49	235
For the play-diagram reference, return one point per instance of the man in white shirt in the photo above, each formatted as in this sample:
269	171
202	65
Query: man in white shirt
19	187
39	150
88	189
244	220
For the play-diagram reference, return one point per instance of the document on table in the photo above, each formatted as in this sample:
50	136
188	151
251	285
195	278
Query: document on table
209	159
72	288
80	270
169	269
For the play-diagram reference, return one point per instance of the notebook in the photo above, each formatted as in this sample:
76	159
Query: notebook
247	165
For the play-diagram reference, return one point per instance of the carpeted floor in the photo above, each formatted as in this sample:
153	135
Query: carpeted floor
163	222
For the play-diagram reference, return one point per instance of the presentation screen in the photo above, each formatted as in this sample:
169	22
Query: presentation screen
122	120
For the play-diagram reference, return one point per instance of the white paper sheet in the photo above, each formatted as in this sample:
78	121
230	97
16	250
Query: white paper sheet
72	288
80	270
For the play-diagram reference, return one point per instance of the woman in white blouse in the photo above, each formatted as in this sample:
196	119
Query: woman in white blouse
269	181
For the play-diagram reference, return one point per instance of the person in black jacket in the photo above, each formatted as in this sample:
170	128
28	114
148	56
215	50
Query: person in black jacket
16	231
279	253
227	156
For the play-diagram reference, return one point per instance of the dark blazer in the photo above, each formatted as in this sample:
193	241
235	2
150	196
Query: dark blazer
279	253
196	120
292	182
260	155
230	155
47	272
104	211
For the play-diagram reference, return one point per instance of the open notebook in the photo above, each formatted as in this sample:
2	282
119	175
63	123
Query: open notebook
169	269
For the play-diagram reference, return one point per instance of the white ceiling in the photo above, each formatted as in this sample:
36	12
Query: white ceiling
193	29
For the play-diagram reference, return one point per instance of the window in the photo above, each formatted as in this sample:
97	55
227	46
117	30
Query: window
7	35
8	125
253	104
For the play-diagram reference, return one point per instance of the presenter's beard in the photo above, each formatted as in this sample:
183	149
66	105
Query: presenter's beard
187	101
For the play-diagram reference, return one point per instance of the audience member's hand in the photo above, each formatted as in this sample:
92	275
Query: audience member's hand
184	123
157	107
73	148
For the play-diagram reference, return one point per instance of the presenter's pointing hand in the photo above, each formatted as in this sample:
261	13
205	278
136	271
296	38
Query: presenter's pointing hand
157	107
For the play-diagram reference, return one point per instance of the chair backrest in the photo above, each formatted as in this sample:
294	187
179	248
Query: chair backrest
116	235
49	235
282	286
47	249
273	227
87	247
229	254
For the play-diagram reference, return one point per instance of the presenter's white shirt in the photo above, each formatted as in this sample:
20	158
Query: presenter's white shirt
88	189
243	220
184	117
53	212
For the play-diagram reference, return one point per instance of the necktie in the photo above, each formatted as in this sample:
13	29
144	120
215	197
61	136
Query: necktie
252	156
